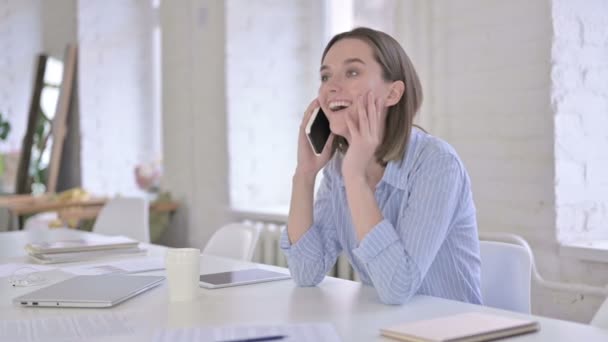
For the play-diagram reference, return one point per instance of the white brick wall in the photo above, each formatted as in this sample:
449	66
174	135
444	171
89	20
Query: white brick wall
118	100
491	101
377	14
580	102
59	25
272	58
20	41
496	80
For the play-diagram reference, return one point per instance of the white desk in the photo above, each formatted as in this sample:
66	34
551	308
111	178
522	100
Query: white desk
353	309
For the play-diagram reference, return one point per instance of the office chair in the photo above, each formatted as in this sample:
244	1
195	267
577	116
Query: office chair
600	319
234	240
506	271
128	216
40	220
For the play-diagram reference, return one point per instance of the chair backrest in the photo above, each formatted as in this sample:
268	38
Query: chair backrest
234	240
40	221
506	271
600	319
128	216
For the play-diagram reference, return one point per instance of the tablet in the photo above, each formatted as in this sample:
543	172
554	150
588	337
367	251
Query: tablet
241	277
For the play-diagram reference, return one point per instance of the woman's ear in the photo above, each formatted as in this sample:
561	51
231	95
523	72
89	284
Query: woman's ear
395	92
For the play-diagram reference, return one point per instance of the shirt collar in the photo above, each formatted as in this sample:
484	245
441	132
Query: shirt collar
396	172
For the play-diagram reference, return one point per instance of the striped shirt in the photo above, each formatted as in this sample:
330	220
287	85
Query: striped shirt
427	242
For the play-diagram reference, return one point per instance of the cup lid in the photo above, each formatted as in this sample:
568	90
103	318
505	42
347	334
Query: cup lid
183	254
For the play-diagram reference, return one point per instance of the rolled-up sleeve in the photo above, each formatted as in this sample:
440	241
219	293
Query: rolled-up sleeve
315	253
398	257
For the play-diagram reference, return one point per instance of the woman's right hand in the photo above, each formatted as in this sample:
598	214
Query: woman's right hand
310	164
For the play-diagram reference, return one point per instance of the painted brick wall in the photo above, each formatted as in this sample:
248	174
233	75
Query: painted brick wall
273	50
580	101
377	14
492	68
491	65
20	41
118	101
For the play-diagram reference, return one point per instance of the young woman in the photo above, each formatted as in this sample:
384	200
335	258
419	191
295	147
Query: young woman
394	199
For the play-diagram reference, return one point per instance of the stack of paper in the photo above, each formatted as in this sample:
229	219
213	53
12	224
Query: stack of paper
82	249
296	332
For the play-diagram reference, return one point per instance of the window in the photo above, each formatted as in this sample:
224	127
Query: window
273	55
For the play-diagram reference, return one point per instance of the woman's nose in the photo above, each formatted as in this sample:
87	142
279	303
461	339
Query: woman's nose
333	85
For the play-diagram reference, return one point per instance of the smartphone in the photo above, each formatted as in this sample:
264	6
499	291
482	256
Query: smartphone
317	131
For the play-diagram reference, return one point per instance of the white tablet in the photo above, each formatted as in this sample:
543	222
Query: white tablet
241	277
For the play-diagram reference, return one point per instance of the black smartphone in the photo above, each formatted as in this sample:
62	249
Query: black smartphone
317	131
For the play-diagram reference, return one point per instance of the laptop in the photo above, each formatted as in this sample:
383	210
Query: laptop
90	291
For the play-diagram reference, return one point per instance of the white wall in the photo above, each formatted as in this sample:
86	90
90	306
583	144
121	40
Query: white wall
491	78
59	26
272	61
20	41
118	99
580	102
194	117
27	28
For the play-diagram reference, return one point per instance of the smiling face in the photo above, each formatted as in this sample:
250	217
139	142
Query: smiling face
349	70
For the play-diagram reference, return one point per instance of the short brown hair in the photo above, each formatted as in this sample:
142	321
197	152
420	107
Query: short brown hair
396	66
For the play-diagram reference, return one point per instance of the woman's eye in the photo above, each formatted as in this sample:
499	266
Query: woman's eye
324	78
352	73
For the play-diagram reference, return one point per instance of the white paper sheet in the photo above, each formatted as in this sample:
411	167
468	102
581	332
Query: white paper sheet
310	332
66	328
123	266
7	270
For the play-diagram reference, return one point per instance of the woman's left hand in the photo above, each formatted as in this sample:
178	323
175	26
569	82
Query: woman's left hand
365	137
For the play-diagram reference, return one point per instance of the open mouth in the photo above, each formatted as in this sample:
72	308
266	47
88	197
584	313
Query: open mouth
336	106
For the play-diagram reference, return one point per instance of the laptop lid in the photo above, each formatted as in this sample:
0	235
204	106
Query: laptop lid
90	291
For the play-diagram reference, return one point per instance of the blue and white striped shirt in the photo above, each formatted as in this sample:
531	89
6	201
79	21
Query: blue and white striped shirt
427	242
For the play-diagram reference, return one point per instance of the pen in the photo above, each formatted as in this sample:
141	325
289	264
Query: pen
258	339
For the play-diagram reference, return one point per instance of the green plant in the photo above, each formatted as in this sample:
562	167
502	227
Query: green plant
5	127
40	147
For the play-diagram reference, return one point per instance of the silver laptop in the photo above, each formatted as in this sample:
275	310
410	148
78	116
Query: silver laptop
96	291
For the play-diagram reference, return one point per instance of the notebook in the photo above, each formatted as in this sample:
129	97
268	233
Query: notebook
95	291
466	327
54	258
92	243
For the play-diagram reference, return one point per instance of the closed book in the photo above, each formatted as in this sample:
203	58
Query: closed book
54	258
465	327
92	243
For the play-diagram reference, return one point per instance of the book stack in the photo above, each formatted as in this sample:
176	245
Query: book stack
82	249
